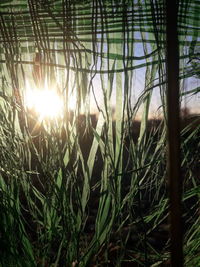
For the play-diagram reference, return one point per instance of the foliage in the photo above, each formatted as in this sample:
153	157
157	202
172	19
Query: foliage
60	178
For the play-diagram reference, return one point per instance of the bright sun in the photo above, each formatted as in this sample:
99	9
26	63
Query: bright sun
47	103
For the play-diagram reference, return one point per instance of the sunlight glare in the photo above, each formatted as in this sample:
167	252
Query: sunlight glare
47	103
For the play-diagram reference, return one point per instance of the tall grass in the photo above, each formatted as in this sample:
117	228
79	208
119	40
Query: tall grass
77	192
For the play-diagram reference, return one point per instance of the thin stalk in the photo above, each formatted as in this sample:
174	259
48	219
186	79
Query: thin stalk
174	135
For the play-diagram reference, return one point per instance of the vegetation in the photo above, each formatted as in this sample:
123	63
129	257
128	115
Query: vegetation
82	191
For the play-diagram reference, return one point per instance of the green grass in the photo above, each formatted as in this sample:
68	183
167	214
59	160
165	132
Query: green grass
78	193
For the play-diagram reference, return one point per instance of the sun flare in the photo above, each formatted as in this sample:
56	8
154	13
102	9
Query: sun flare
46	103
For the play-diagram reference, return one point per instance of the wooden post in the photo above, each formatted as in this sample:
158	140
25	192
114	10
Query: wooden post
173	120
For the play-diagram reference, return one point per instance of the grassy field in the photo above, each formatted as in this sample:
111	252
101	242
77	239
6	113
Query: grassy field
67	200
78	189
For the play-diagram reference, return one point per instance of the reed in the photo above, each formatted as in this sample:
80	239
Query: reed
85	190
